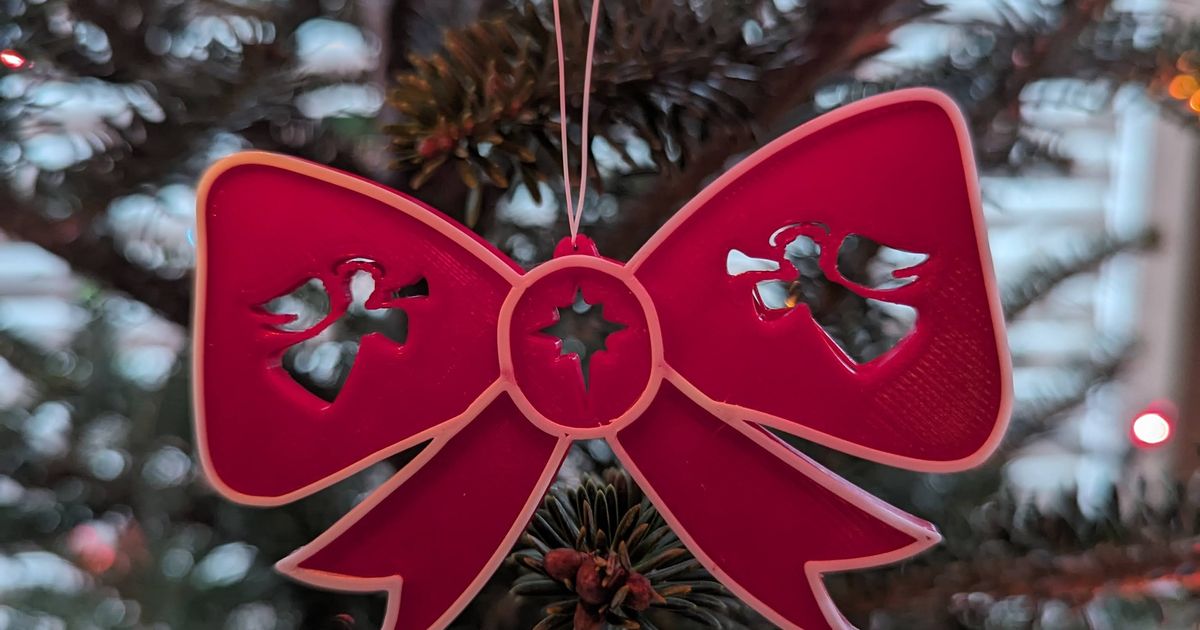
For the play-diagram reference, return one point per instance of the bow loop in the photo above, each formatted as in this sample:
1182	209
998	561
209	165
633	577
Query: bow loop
897	170
266	224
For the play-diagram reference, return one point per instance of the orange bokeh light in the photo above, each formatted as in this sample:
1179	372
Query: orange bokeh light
1194	102
1183	87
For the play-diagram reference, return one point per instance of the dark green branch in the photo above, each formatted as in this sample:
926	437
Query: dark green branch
1042	277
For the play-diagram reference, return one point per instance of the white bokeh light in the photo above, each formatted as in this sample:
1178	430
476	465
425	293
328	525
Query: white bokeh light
1151	429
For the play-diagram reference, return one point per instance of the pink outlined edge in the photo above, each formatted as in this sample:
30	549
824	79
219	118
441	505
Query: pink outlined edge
424	214
657	362
924	534
393	585
908	95
738	417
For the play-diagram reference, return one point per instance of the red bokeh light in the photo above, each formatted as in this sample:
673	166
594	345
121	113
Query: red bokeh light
94	551
12	59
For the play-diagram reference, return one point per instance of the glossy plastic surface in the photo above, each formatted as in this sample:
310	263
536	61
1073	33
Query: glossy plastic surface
682	392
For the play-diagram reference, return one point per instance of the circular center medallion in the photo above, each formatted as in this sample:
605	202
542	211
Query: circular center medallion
580	346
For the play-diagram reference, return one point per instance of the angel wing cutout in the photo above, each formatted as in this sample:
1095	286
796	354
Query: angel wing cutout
361	303
268	224
898	170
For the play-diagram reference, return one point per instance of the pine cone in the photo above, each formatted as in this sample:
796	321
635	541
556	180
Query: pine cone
594	583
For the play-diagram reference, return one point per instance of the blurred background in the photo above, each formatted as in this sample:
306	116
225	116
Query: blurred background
1084	114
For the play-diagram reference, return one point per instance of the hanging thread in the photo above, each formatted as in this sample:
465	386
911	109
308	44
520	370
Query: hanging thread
575	210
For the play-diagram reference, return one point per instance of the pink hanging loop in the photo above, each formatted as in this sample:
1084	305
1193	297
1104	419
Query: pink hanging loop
575	211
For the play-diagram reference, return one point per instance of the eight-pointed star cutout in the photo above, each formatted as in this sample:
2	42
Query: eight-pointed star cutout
582	330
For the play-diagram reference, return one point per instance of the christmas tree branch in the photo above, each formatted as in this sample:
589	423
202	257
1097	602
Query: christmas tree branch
96	256
1018	549
996	119
239	95
44	371
487	102
965	591
1094	47
850	32
687	84
1044	276
1032	418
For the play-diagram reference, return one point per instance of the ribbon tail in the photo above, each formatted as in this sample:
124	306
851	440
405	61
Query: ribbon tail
434	533
763	518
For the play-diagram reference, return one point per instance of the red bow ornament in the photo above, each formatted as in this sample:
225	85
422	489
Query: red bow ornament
684	392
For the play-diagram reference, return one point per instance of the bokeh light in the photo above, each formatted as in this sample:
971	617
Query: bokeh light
1183	86
1150	429
12	59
